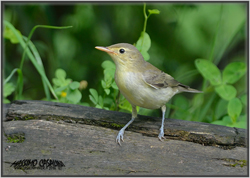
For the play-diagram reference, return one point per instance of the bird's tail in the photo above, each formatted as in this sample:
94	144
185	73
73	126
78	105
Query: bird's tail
185	88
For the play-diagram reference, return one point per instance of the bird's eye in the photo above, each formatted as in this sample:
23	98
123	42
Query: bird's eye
122	51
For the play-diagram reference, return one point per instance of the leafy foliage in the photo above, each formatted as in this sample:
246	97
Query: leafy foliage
222	83
8	89
179	35
209	71
67	90
30	49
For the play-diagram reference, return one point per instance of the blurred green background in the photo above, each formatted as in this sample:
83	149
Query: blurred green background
181	33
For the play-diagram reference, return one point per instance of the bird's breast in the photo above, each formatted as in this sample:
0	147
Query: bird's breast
127	82
138	93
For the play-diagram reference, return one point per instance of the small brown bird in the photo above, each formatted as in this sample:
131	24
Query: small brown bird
141	83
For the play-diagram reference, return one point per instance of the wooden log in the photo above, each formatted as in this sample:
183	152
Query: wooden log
203	133
83	140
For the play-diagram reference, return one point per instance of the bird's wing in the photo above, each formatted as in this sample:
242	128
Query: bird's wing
158	79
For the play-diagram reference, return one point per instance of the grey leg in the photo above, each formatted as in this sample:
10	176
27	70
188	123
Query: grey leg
161	134
119	137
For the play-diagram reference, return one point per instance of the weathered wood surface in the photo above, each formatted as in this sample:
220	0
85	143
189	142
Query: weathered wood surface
83	138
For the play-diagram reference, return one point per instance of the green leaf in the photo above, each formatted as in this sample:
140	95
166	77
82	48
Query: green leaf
100	101
154	11
93	99
108	80
124	104
243	99
74	85
94	94
227	120
220	109
209	71
241	124
74	96
233	72
108	101
234	109
5	101
67	81
39	62
108	65
56	82
60	74
8	88
9	34
107	91
227	92
60	89
109	73
144	42
114	86
219	123
103	84
243	118
145	55
60	79
98	106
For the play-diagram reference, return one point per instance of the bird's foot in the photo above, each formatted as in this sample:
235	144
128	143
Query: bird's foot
161	134
119	137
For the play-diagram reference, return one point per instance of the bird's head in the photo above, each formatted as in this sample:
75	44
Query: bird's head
123	54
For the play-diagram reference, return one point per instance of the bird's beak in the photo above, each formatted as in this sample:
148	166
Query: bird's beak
105	49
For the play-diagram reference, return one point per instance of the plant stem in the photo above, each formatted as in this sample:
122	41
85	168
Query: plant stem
9	77
30	35
20	83
31	57
146	18
145	23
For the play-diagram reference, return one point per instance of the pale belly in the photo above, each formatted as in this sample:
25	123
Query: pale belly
140	94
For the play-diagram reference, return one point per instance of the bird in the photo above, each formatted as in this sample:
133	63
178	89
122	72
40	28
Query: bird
141	83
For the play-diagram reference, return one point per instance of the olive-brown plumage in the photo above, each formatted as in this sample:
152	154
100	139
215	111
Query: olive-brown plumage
141	83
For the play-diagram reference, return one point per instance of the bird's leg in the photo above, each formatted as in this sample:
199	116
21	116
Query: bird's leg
161	134
119	137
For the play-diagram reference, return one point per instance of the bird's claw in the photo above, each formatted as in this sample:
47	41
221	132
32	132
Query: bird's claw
161	135
119	137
